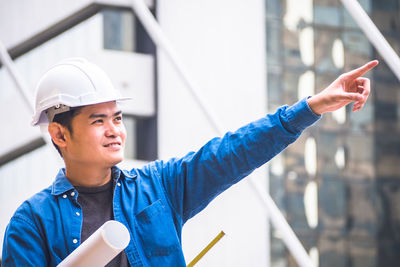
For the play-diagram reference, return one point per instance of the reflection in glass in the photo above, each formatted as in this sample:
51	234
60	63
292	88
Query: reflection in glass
357	49
306	45
323	51
297	11
306	85
340	115
310	156
277	167
340	157
358	153
314	255
327	15
292	175
291	49
338	54
290	86
311	204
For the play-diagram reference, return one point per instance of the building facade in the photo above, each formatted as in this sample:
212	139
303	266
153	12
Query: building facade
338	185
222	46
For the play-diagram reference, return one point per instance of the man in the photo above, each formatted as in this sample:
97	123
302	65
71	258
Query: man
78	102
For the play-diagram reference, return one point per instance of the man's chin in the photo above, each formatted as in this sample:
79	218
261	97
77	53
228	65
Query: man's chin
112	161
116	161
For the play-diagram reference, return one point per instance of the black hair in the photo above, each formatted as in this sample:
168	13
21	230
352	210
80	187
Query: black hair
65	119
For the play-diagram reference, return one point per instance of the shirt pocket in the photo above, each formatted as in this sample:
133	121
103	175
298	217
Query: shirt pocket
157	230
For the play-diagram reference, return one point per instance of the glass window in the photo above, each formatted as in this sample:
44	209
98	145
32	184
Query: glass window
311	204
329	15
274	8
130	144
354	150
291	48
306	85
119	30
290	81
333	213
274	90
357	49
274	48
325	40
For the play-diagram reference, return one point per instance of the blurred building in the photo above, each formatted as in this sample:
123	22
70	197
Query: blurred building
222	46
337	185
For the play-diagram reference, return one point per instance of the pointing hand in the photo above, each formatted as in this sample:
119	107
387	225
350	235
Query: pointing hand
348	87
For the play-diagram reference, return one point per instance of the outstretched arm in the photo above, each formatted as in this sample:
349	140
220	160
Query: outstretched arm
348	87
193	181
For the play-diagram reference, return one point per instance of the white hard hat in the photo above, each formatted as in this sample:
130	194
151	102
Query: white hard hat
73	82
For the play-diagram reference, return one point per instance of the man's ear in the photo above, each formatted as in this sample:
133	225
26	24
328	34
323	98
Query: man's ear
57	133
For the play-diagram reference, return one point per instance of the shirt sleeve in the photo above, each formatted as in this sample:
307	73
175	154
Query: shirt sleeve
23	245
193	181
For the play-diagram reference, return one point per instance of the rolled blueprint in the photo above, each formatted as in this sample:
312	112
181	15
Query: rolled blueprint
101	247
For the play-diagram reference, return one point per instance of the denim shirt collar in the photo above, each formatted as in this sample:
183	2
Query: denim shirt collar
62	184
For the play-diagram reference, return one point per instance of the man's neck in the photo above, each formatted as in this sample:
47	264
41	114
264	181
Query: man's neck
88	176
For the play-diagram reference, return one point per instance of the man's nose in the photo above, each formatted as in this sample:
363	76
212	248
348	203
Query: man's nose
112	130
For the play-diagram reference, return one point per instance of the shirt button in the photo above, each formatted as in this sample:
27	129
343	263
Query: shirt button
72	194
77	213
64	196
75	241
119	184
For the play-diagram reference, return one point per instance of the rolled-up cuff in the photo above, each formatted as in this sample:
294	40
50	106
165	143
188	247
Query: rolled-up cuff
300	116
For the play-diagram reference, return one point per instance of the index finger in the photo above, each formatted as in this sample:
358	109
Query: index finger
363	69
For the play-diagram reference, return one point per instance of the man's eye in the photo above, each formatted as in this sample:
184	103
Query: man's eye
97	121
119	118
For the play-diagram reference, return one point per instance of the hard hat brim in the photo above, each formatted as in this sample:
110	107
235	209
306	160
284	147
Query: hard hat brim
41	118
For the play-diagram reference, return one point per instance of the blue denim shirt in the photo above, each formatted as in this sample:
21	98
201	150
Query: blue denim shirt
155	201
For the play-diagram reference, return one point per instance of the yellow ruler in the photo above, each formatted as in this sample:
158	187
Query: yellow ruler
206	249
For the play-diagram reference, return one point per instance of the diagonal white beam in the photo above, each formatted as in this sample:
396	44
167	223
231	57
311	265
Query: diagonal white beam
7	62
275	216
374	35
163	43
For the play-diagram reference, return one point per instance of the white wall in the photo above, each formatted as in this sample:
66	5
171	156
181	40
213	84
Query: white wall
23	178
222	44
29	174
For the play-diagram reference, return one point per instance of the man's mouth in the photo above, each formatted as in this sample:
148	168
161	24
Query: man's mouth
113	144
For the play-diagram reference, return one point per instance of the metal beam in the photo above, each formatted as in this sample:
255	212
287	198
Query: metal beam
53	30
21	150
63	25
374	35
